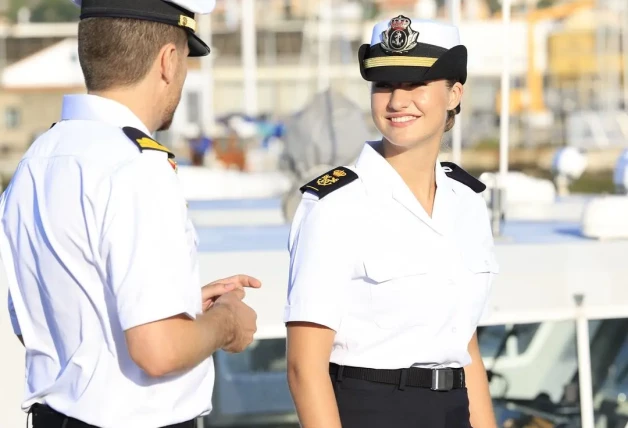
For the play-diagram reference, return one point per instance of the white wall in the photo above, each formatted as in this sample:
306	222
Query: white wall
11	366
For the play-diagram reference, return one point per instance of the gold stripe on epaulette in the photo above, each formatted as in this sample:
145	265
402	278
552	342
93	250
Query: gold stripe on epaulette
399	61
147	143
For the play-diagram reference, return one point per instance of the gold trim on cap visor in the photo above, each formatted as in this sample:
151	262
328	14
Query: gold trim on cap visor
399	61
187	22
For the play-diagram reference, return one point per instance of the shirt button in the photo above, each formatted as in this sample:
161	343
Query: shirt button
453	330
451	282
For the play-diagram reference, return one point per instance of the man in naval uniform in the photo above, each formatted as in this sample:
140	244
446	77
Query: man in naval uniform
101	257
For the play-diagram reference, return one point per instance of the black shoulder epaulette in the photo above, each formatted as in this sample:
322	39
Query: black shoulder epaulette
457	173
332	180
144	142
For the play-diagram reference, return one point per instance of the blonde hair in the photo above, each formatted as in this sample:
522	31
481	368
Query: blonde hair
451	120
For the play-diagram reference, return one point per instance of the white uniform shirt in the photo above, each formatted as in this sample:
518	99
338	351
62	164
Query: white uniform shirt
96	239
399	288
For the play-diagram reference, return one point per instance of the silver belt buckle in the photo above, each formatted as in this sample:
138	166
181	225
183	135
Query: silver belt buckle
442	379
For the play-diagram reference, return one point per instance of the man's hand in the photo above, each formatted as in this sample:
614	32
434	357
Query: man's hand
214	290
243	322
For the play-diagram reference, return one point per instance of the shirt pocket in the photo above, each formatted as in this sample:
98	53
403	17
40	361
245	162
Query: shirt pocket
401	294
480	269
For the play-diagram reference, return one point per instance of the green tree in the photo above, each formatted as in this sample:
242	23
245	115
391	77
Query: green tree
45	10
494	6
55	11
542	4
14	7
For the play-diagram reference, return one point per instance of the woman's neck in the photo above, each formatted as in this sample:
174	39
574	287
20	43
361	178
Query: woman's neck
416	167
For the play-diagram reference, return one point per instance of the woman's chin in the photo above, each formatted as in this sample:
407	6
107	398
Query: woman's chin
407	137
403	140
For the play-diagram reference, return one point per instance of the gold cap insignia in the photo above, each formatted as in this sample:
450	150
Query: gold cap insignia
399	37
187	22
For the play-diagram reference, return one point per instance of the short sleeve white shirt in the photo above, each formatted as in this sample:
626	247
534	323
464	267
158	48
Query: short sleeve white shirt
96	239
400	288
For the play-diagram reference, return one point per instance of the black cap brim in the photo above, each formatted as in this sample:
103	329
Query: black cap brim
197	46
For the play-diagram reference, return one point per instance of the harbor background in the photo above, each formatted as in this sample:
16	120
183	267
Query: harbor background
282	85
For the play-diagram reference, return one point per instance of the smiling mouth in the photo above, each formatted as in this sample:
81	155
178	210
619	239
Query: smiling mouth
402	119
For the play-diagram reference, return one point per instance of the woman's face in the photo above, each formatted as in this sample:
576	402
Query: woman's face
408	114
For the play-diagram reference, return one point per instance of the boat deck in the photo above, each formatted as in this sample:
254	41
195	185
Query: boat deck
257	225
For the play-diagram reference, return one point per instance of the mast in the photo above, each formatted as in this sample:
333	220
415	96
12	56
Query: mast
498	196
324	40
207	124
248	37
454	11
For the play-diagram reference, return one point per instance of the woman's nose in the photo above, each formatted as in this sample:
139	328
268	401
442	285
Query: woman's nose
399	99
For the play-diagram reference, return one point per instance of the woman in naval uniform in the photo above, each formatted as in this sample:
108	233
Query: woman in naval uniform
391	259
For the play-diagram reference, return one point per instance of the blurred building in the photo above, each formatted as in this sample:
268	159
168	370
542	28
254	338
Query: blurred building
564	58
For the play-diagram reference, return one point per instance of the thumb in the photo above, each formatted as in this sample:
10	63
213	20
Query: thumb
240	293
216	289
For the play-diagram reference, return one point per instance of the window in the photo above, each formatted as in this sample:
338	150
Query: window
12	118
262	356
491	338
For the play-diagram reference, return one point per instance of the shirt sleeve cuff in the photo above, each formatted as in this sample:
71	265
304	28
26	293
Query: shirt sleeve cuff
297	313
138	318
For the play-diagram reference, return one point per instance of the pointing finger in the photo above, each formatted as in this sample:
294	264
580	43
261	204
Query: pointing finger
243	281
216	289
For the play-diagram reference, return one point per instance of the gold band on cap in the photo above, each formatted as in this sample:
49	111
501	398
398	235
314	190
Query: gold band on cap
187	22
399	61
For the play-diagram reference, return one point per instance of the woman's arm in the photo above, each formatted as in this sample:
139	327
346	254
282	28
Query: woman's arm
318	287
480	403
309	349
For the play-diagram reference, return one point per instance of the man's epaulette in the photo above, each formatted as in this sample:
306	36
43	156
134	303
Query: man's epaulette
144	142
332	180
455	172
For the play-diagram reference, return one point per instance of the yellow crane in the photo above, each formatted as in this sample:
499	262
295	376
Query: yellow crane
534	102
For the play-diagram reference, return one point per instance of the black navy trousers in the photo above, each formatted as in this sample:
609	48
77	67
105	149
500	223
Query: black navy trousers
366	404
46	417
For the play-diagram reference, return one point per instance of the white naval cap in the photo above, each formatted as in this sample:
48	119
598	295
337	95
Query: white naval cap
429	32
180	13
406	50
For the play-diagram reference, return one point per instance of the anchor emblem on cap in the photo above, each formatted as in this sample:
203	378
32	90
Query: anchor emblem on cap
399	37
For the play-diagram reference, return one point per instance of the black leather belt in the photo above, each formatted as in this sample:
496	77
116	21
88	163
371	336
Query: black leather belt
444	379
45	416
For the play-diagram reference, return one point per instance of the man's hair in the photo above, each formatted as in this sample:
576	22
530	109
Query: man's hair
118	52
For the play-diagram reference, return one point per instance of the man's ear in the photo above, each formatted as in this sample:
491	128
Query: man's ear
168	60
455	96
